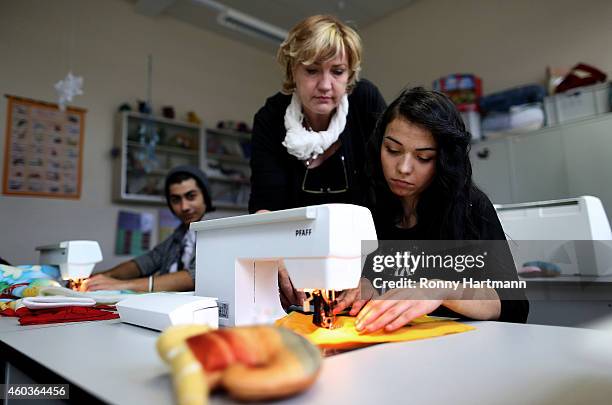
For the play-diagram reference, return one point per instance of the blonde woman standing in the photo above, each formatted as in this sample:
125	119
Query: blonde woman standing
309	140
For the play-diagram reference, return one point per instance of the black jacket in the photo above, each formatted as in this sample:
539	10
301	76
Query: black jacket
514	306
276	175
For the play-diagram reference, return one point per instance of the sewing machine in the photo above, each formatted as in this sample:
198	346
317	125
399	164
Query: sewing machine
237	258
573	233
76	259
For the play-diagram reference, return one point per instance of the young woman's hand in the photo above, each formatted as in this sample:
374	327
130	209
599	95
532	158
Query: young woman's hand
355	298
394	309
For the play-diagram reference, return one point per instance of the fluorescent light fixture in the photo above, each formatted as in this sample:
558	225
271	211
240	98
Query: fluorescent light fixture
251	26
244	23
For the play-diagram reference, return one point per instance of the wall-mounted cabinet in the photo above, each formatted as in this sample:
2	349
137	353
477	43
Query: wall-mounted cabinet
227	164
491	169
148	148
567	160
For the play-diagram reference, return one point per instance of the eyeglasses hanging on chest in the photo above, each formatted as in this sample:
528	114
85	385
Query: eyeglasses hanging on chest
330	177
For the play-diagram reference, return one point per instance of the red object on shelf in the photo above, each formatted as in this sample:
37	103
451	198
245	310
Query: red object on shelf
463	89
581	75
467	107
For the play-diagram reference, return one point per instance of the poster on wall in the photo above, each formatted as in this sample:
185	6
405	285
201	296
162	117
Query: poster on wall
44	149
167	223
134	231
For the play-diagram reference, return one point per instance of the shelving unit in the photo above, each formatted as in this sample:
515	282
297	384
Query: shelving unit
225	158
148	148
228	180
227	165
167	149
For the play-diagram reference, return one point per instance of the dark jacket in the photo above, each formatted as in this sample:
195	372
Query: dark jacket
514	305
160	259
276	175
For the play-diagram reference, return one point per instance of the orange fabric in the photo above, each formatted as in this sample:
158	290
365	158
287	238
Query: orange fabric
345	336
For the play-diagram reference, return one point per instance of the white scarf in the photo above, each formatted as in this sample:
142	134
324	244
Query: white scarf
306	144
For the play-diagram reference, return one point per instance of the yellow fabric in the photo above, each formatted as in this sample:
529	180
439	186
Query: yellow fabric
345	336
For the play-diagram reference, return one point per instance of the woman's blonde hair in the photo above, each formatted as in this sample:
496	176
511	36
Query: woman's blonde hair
319	38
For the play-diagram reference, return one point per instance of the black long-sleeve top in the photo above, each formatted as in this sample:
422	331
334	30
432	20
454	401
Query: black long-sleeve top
514	306
277	176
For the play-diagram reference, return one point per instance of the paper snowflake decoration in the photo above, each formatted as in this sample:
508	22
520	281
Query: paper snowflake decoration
68	88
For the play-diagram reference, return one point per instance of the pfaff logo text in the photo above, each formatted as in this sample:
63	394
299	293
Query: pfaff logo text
303	232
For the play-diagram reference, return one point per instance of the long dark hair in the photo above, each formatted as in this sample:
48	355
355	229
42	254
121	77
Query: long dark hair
443	209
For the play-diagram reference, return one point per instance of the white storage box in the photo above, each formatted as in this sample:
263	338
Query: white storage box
472	124
161	310
581	102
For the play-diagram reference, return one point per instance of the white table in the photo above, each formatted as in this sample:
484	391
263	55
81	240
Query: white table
497	363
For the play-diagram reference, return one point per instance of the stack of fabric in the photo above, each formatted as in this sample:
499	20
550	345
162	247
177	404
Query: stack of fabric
33	294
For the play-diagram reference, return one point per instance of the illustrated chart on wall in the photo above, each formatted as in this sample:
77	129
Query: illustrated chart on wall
44	149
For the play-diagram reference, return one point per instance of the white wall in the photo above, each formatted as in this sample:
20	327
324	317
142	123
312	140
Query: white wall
109	43
505	42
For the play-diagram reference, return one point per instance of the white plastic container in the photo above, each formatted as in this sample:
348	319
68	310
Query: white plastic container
526	117
581	102
472	124
161	310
